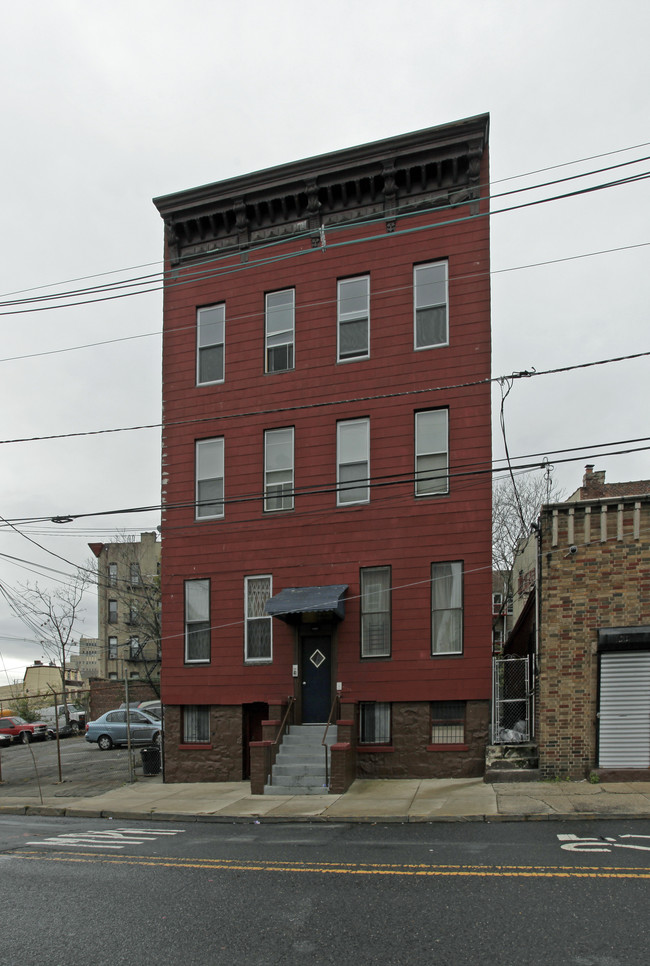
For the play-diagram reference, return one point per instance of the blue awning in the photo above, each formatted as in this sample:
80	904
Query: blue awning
308	600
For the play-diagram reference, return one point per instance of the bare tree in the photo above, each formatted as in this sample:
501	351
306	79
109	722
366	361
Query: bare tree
515	507
52	615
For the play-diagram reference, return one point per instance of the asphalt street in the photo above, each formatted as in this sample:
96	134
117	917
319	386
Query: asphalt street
509	893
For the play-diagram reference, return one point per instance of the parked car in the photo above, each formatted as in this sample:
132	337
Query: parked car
76	715
5	740
20	730
110	729
154	708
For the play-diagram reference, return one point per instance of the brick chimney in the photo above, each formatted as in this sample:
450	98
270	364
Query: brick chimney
593	480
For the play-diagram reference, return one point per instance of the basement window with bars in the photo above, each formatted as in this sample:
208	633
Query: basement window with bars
374	723
447	722
196	724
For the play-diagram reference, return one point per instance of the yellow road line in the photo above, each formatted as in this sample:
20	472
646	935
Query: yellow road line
348	868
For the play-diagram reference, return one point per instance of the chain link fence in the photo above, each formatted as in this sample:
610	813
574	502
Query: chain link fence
511	710
58	760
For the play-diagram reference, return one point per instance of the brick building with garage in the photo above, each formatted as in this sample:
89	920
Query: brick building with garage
587	624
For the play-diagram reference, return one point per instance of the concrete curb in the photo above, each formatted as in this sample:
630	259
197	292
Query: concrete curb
72	812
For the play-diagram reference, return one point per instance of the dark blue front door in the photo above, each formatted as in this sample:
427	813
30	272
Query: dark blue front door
316	678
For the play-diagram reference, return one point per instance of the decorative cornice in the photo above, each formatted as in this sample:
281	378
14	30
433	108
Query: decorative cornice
384	179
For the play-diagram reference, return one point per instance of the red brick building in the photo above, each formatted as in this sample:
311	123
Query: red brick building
327	506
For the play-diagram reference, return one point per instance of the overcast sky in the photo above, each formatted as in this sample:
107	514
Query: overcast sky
108	105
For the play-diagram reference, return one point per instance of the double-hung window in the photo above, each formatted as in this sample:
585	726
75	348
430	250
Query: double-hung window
375	612
431	452
278	469
209	478
112	612
374	723
196	724
353	462
259	642
447	608
210	344
197	621
134	649
280	330
353	305
447	722
112	575
112	649
431	321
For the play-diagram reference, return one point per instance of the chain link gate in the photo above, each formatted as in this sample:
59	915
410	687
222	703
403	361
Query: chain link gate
511	700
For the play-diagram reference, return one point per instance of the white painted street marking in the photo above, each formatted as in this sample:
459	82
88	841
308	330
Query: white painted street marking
111	839
576	843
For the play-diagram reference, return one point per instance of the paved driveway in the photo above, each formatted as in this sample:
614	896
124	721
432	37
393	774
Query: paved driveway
85	770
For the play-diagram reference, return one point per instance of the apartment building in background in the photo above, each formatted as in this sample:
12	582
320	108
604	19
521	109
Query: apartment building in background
326	532
128	608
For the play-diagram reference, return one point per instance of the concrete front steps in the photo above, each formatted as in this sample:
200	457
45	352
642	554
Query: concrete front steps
299	768
512	763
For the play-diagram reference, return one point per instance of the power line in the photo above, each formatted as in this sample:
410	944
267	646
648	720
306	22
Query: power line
515	177
467	474
360	223
522	374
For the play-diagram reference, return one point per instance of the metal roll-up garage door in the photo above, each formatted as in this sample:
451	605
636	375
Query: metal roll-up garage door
624	719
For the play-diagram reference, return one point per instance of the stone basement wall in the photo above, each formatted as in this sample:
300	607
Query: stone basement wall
605	583
220	761
411	754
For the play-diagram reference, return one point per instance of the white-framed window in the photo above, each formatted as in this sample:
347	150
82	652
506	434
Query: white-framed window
133	613
353	461
112	675
112	649
431	452
375	612
135	653
258	644
430	303
112	612
209	478
447	722
197	621
278	469
196	724
210	344
447	607
134	574
279	330
374	723
498	609
353	309
134	675
497	635
112	575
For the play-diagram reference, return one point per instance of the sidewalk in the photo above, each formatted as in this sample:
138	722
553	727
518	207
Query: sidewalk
425	800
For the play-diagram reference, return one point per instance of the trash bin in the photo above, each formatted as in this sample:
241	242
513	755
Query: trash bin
150	760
